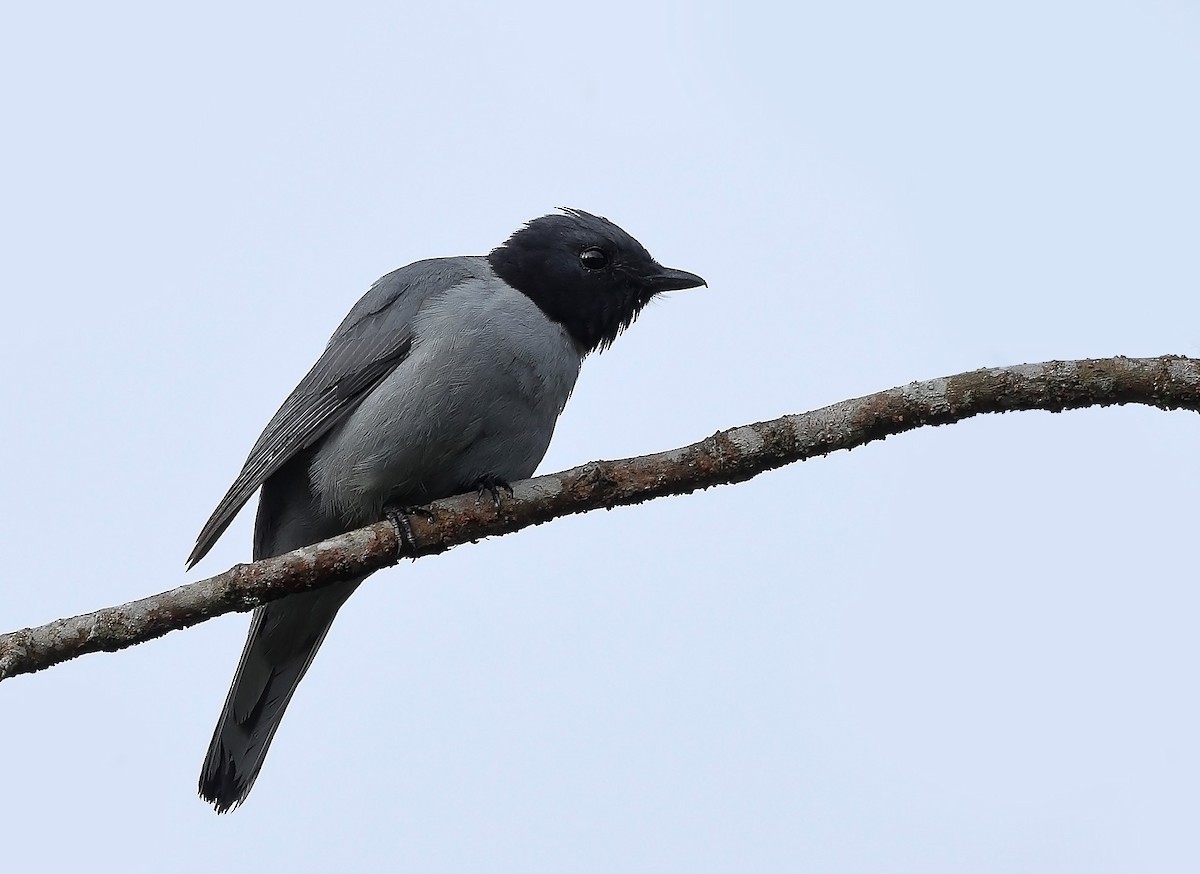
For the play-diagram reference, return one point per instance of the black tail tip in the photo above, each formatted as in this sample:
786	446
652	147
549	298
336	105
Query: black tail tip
221	788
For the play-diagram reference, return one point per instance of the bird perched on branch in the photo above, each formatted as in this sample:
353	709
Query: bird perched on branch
447	375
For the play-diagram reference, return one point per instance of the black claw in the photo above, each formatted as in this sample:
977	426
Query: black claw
494	485
406	541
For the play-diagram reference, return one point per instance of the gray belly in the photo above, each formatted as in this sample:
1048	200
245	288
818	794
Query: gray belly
478	396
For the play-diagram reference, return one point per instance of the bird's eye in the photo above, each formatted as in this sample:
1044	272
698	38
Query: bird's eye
593	258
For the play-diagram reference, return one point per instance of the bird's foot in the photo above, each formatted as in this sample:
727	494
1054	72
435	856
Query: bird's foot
493	485
406	541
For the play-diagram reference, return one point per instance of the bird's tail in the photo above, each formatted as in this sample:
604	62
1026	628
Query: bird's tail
284	637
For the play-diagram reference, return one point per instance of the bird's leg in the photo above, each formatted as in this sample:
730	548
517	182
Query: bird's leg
406	541
493	485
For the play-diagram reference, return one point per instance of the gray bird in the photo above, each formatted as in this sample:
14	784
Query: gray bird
448	375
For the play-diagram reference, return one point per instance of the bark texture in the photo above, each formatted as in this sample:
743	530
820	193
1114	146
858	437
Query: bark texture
735	455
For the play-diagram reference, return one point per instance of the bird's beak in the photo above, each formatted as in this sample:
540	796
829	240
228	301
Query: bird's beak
667	279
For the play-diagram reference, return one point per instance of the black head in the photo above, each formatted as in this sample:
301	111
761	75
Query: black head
585	273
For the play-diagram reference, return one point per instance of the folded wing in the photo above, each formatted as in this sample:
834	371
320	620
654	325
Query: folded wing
368	345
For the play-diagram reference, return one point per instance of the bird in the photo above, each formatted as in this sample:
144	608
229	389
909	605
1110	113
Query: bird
447	376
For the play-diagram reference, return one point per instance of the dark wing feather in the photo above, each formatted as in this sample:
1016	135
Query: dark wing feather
373	339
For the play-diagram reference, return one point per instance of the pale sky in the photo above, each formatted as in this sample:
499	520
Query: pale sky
965	649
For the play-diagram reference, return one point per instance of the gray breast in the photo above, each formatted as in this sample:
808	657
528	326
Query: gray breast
478	396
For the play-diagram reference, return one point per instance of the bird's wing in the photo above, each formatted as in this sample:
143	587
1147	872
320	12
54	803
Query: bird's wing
368	345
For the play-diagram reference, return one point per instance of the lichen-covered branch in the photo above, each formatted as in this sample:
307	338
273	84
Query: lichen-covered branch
1169	383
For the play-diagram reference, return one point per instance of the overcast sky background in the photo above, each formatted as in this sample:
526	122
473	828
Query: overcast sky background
965	649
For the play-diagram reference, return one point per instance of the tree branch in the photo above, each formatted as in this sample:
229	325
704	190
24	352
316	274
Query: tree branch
1169	383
